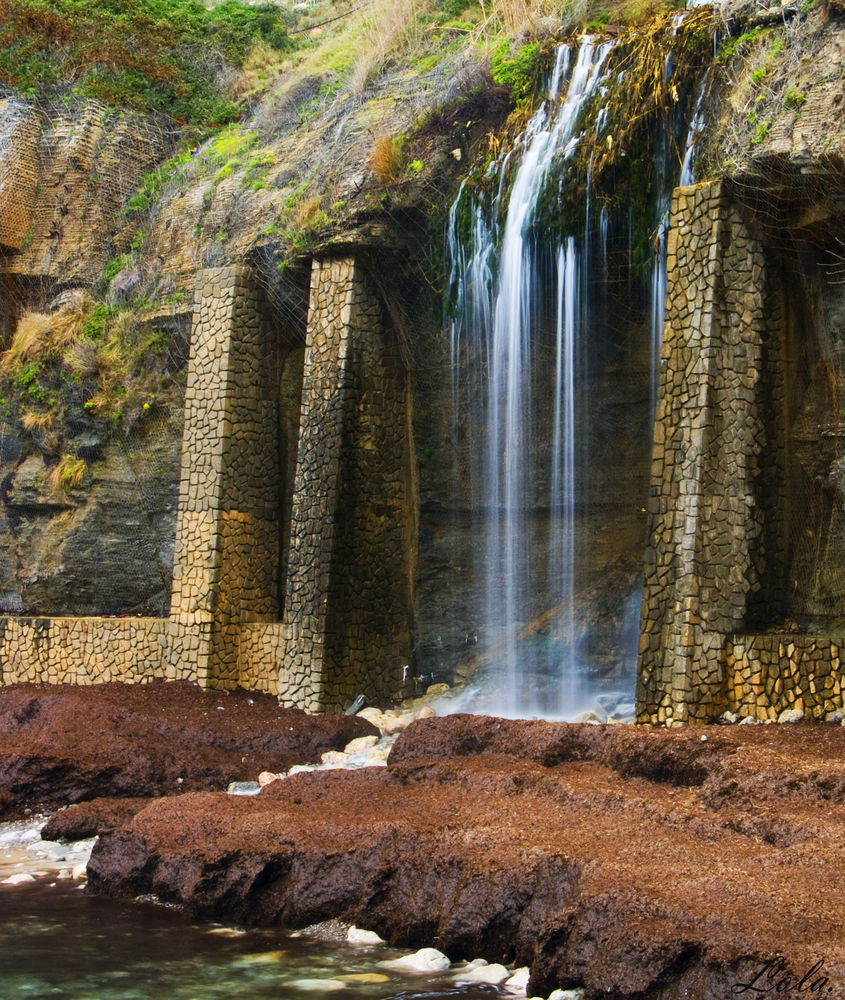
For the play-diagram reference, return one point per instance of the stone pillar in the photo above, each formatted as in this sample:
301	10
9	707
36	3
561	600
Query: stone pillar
703	561
226	558
347	605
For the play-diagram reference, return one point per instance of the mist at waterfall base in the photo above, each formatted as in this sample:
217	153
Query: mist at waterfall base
555	327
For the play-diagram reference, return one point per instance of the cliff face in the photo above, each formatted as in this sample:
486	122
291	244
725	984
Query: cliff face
95	199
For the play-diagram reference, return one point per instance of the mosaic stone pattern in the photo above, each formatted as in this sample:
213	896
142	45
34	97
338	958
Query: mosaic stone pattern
347	604
82	650
226	558
715	536
767	674
704	524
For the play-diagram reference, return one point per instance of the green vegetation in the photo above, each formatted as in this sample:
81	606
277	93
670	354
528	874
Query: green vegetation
793	99
517	73
159	54
84	361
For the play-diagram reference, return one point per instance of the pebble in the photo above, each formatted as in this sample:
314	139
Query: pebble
365	977
360	744
591	718
372	715
394	723
518	982
325	985
728	718
836	716
357	935
267	778
426	712
335	758
749	720
243	788
17	879
301	768
435	690
378	755
494	974
424	960
791	715
576	994
80	870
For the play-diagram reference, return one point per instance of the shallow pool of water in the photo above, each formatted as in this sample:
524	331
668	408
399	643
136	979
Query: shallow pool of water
56	940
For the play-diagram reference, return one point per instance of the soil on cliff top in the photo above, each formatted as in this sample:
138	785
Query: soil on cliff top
62	744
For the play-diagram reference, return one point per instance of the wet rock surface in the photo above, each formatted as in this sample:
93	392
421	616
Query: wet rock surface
63	744
629	861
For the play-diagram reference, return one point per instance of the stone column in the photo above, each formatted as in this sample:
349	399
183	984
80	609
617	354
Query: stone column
347	605
226	558
704	557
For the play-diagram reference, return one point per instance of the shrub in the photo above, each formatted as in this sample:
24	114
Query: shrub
159	54
387	158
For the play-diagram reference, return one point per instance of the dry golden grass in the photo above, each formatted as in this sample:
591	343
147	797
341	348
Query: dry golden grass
35	422
387	159
38	335
31	337
391	29
307	212
68	473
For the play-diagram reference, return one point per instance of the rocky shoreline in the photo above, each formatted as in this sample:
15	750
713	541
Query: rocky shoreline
621	861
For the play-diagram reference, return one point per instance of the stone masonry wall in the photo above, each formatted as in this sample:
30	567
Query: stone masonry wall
347	605
704	558
716	557
226	560
82	650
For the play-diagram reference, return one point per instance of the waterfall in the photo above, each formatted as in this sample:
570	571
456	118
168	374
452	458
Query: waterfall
529	344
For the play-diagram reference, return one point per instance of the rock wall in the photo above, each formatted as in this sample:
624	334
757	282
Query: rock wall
66	174
82	650
721	549
347	603
226	560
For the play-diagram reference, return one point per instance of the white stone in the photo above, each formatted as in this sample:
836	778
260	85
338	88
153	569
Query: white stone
378	755
588	717
267	778
749	720
372	715
836	716
360	744
437	689
518	982
576	994
301	769
334	758
426	712
396	723
17	879
80	870
791	715
494	974
729	718
357	935
243	788
323	985
424	960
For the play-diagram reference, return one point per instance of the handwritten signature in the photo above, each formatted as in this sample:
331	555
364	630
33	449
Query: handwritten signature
777	977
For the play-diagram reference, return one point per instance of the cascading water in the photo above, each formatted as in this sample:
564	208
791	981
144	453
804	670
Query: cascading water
532	345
